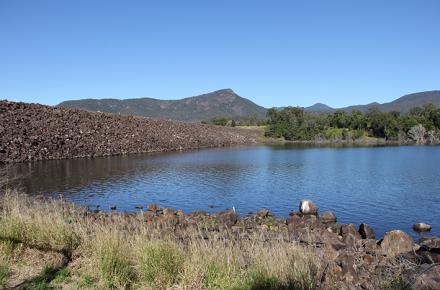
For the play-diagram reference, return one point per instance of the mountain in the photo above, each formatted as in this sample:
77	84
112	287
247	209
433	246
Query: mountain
221	103
402	104
405	103
319	108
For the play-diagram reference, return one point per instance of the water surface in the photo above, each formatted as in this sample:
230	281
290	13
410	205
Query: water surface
386	187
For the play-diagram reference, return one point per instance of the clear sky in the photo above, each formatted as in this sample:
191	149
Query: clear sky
275	53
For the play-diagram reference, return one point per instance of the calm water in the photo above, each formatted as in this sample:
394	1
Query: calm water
387	187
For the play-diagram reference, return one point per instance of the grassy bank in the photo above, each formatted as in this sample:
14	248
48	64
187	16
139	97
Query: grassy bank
51	243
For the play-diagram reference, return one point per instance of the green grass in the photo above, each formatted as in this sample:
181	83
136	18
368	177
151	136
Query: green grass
4	273
86	282
160	265
112	261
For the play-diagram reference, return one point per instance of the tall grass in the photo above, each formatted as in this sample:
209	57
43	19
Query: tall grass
122	253
46	224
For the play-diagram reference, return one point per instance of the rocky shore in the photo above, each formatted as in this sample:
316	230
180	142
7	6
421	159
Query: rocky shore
163	248
351	257
36	132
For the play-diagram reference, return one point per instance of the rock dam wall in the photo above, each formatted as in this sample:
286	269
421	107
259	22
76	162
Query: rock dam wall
36	132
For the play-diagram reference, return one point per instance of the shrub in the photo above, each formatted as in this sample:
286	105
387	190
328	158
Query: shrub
160	264
112	261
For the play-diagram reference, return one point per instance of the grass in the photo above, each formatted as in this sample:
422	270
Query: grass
160	264
127	253
4	273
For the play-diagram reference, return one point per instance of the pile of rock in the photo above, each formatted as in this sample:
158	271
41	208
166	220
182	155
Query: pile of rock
36	132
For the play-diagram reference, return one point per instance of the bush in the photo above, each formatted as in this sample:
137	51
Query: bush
112	259
160	265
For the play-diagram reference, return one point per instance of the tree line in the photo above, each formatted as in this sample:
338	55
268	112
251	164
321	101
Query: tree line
420	125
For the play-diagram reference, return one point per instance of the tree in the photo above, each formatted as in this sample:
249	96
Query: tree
417	134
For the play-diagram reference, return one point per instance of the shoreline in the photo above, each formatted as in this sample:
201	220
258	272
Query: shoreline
331	254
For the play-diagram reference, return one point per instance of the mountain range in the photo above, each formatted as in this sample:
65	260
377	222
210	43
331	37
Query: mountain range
226	103
222	103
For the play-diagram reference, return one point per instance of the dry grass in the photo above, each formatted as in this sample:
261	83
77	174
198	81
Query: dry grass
127	253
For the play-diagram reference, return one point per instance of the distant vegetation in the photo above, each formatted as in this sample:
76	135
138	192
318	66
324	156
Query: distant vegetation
250	121
420	125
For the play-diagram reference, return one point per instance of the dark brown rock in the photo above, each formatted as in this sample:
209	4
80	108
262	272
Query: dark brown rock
36	132
428	279
366	231
327	217
349	229
431	244
421	227
227	218
262	213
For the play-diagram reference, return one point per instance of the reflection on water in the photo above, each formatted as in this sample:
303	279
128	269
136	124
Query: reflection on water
387	187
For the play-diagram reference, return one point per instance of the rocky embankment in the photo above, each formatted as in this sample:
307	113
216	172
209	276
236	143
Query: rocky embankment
350	257
36	132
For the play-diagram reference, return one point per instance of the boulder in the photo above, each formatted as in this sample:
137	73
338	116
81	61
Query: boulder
262	213
327	217
429	278
366	231
431	244
349	229
152	207
421	227
331	239
227	218
308	207
396	242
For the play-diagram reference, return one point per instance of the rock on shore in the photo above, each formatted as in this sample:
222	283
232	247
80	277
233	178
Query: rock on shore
350	258
37	132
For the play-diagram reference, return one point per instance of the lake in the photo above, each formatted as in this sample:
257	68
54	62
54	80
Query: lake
386	187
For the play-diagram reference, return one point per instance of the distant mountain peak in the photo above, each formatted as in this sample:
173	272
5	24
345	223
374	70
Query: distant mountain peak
319	107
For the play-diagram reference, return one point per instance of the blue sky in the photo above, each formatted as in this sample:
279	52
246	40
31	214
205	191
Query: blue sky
275	53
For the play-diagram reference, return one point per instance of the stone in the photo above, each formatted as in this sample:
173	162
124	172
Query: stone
349	229
348	267
431	244
308	207
169	211
327	217
428	279
366	231
350	241
331	239
396	242
152	207
421	227
262	213
228	217
370	245
148	216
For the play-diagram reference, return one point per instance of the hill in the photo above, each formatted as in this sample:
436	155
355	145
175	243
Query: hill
402	104
405	103
319	108
221	103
